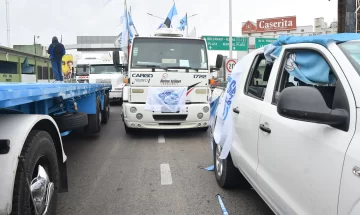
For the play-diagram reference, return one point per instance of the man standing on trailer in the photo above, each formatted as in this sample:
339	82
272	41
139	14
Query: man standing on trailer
56	51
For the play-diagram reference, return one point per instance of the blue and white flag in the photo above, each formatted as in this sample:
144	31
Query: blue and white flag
167	23
224	124
183	23
166	99
132	26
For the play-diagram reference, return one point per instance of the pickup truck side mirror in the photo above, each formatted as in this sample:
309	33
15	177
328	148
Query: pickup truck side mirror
219	61
307	104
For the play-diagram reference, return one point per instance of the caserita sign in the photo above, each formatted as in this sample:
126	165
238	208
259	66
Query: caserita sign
276	24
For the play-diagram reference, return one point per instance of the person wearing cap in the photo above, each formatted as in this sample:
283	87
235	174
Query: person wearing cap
56	51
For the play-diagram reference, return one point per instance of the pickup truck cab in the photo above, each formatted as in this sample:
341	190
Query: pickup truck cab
295	140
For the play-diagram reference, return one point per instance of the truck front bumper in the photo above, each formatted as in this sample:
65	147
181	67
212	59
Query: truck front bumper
115	95
196	116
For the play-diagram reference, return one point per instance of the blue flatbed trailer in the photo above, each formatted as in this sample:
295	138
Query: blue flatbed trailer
33	118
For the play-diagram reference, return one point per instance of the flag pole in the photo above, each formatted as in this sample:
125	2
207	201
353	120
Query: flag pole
230	29
187	26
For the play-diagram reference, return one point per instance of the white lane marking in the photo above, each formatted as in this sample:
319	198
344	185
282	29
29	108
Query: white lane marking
161	138
165	174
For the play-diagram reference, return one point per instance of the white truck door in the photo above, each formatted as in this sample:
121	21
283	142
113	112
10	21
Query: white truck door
246	111
300	163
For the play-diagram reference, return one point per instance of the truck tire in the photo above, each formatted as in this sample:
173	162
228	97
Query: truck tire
70	121
121	102
94	125
106	111
38	149
226	174
128	130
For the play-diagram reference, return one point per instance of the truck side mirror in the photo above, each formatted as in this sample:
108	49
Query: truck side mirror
308	104
219	61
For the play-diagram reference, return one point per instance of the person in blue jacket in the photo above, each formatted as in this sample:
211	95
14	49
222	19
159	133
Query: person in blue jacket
56	51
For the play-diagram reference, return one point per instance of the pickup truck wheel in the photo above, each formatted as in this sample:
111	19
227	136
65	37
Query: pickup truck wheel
106	112
226	174
38	150
94	125
70	121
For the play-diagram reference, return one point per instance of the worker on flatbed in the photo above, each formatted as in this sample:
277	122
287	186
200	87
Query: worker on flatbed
56	51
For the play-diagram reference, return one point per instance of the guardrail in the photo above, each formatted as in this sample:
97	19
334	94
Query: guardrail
12	68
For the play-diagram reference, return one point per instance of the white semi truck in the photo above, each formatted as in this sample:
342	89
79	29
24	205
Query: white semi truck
101	68
165	63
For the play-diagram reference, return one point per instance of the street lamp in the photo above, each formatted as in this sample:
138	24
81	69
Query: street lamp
35	42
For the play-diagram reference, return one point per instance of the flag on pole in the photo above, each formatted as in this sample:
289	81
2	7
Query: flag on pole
173	12
126	34
132	25
183	23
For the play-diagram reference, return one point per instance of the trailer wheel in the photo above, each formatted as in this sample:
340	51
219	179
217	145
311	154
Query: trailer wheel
38	150
71	121
106	111
94	125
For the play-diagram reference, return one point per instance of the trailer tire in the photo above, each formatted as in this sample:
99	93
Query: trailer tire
38	149
94	125
106	112
71	121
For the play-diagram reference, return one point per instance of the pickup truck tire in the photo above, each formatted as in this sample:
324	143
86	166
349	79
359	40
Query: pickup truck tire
94	125
106	112
70	121
228	176
38	149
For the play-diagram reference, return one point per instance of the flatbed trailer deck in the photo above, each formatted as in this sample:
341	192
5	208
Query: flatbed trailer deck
33	117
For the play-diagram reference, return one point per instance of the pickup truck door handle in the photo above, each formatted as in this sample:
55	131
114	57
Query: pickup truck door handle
236	110
265	129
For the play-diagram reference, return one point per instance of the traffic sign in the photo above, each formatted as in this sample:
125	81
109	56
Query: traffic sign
221	43
261	42
230	64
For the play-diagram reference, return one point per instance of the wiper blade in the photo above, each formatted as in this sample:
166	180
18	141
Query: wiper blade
182	67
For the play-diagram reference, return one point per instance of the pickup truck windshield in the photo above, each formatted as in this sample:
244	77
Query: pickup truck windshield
169	53
352	51
82	70
104	69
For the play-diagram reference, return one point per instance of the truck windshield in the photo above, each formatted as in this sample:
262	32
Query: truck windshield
82	70
169	53
352	51
105	69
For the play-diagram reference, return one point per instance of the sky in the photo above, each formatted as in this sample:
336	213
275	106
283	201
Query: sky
71	18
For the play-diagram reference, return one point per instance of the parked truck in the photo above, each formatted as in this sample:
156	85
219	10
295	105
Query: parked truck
167	69
33	118
294	125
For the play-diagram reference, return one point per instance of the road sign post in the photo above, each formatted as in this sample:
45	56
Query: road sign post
261	42
229	66
221	43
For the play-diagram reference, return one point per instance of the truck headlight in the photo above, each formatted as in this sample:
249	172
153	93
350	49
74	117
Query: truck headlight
139	116
200	115
206	109
133	110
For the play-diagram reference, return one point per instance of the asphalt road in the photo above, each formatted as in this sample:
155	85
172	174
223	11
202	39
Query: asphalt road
149	173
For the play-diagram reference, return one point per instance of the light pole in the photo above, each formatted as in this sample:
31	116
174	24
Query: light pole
8	22
35	42
230	29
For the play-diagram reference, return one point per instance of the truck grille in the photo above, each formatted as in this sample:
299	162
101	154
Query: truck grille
170	117
99	81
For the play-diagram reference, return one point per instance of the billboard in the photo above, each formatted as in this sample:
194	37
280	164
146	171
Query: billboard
67	65
285	23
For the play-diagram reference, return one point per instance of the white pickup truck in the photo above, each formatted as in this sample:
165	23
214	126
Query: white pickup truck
296	141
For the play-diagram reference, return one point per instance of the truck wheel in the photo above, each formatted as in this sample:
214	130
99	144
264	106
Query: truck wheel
128	130
106	111
94	125
121	102
226	174
38	150
70	121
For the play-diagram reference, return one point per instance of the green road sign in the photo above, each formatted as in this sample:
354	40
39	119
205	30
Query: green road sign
261	42
221	43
